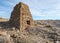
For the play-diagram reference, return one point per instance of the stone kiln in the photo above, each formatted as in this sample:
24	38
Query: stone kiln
21	17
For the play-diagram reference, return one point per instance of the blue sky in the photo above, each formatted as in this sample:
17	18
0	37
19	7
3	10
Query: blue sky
40	9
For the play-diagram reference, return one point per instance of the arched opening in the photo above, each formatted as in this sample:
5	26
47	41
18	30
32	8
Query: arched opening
28	22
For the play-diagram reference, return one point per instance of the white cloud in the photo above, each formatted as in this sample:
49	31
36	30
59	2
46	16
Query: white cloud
37	13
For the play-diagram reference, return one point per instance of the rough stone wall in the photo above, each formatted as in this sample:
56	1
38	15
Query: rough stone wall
21	17
15	17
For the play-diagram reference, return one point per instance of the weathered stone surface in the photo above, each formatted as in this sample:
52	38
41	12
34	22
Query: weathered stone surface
21	17
5	37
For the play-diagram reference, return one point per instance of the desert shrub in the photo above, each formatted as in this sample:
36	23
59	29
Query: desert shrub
48	26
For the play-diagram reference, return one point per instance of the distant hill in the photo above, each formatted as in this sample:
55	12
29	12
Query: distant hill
3	19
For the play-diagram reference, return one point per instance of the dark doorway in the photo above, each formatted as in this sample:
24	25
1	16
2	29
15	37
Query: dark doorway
28	22
46	42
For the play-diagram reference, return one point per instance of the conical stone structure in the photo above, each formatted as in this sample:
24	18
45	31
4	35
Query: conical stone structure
21	17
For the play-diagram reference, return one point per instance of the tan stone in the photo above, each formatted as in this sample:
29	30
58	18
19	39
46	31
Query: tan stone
21	17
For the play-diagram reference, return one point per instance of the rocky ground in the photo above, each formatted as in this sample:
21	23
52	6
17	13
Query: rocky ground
44	31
